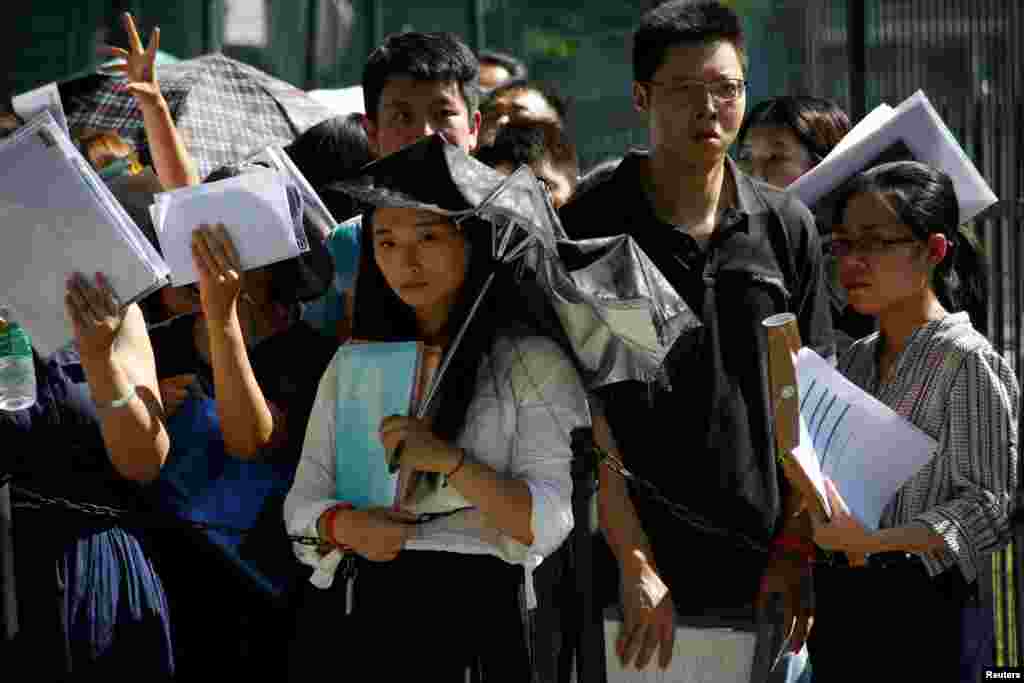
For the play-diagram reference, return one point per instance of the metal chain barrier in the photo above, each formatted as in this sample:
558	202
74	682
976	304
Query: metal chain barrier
39	501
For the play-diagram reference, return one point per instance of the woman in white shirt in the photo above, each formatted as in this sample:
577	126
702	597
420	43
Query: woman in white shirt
441	595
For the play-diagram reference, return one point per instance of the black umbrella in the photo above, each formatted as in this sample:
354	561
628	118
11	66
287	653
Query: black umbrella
619	314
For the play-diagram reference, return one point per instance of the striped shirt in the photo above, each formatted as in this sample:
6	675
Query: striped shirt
951	383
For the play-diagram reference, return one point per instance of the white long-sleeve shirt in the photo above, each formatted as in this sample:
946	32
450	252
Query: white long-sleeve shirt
528	398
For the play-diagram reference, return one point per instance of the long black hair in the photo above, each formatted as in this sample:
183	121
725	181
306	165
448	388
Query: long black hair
925	200
506	309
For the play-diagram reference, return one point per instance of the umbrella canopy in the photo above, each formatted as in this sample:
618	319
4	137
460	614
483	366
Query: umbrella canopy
224	109
618	312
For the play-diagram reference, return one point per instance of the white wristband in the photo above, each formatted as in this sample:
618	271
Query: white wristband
121	402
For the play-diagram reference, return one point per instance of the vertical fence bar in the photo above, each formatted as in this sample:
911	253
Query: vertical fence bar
856	46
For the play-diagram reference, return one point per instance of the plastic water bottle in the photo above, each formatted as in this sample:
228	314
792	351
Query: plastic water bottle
17	369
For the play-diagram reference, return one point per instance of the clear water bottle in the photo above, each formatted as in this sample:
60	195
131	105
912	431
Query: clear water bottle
17	369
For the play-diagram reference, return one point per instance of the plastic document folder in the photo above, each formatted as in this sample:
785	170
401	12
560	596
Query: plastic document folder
57	216
375	380
30	104
260	209
915	125
315	209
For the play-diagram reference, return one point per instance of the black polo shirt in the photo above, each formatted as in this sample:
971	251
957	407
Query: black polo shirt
707	442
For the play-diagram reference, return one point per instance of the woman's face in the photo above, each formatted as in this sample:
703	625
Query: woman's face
775	155
881	263
423	257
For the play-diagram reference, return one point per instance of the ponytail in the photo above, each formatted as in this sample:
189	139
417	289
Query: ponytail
961	280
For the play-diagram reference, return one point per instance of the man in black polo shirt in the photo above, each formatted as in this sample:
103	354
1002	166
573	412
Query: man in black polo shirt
737	251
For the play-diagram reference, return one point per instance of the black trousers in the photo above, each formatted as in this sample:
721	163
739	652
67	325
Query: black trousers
887	623
423	616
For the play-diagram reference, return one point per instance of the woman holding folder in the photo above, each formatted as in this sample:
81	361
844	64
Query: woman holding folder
903	259
433	598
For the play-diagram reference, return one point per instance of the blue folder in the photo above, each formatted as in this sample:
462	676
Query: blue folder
375	380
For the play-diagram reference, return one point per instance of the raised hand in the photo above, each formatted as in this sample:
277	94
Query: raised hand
220	272
139	66
95	314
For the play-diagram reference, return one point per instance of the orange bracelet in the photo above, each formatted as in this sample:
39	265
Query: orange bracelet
329	516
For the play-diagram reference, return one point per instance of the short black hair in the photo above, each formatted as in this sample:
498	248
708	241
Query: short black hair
549	91
818	124
330	151
528	142
516	69
682	22
437	56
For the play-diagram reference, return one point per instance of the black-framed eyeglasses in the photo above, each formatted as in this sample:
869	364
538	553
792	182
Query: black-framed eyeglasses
722	90
867	246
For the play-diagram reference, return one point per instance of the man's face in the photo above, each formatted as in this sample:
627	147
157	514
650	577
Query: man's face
520	103
411	109
685	119
493	75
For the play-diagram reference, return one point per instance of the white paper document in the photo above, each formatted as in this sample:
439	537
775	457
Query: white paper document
255	208
699	655
916	124
57	217
867	449
29	105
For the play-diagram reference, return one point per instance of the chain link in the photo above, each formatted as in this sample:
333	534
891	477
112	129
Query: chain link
678	510
39	501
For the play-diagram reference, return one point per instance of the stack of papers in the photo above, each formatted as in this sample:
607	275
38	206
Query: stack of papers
868	450
915	125
57	217
31	104
261	211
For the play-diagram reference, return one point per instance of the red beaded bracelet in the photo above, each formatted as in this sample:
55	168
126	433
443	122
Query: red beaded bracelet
802	547
329	516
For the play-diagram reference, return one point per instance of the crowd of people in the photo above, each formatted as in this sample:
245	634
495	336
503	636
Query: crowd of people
224	395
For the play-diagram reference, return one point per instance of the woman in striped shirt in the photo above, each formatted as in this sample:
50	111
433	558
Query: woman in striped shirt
903	259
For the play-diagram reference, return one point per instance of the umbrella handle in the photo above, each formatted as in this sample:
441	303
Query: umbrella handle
424	407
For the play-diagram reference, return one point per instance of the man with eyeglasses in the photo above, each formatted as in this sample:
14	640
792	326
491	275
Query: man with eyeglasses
737	251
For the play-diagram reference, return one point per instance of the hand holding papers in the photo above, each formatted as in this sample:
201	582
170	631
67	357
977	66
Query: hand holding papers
263	218
849	436
915	124
862	445
58	217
